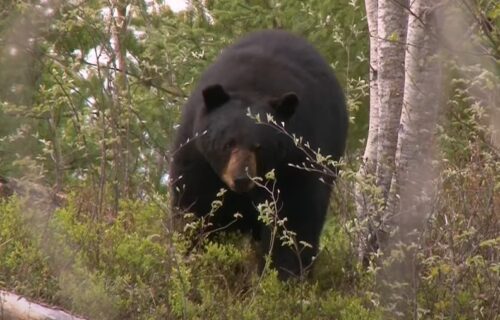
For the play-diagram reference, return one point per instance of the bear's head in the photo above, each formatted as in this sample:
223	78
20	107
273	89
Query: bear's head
236	146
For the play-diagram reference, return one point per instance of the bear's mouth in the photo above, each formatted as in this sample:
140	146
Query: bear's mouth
240	170
242	184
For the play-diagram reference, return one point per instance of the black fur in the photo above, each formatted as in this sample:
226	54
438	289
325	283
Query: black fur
271	72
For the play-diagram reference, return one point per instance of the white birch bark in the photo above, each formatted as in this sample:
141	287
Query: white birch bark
13	307
392	26
413	188
387	21
367	169
370	155
412	182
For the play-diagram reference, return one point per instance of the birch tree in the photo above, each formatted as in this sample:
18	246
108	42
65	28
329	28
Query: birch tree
387	25
411	187
395	189
404	101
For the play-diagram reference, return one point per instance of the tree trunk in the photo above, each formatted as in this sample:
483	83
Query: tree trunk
412	182
370	155
364	200
387	22
403	120
392	24
120	106
413	187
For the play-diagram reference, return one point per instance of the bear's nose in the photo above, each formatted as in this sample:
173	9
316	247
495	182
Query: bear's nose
242	183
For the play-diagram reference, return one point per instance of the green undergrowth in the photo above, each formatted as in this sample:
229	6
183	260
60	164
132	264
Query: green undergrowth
133	266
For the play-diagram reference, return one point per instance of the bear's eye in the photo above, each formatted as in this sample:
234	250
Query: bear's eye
229	145
256	147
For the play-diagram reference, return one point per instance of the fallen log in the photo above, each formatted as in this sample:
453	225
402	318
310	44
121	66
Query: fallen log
16	307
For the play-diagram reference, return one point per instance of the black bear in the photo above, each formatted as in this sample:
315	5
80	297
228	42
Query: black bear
218	145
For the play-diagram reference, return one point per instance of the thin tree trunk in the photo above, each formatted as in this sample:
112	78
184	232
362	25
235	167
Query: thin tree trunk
412	182
364	200
395	190
412	188
392	24
120	113
370	155
57	155
387	22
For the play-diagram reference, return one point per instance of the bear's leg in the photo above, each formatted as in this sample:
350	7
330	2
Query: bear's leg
304	207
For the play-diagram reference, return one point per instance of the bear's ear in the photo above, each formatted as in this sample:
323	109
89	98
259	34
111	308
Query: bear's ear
285	105
214	96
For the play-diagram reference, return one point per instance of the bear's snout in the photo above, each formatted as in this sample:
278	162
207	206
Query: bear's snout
242	184
240	169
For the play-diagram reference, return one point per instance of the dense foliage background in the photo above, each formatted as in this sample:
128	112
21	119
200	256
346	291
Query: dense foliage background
89	101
